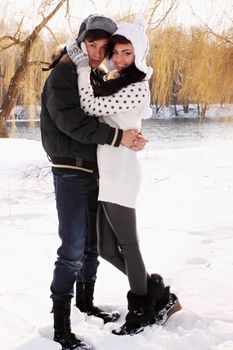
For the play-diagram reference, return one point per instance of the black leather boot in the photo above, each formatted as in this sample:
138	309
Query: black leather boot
62	327
140	314
164	302
84	301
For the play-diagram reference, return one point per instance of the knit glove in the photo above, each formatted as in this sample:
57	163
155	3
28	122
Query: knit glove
79	58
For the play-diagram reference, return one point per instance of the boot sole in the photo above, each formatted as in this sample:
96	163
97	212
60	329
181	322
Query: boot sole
123	331
110	317
175	308
79	346
167	312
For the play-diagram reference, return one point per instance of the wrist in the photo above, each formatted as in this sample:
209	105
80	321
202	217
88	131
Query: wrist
83	70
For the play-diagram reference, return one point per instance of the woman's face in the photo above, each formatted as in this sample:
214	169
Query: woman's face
123	56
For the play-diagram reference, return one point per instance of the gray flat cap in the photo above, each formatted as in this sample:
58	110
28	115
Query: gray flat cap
96	22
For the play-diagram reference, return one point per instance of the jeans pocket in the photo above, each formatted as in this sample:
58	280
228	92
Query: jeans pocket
68	175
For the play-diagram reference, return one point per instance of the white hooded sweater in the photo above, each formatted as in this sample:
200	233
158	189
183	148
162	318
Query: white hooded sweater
119	167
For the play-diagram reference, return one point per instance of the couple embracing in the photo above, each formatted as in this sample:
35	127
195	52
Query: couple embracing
90	129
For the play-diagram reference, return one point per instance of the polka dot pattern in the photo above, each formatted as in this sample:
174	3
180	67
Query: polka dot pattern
126	99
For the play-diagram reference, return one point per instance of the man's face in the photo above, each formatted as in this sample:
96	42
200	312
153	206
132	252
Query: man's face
96	51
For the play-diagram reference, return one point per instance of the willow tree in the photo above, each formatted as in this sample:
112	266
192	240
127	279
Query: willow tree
220	59
25	46
167	57
208	74
199	73
190	66
222	84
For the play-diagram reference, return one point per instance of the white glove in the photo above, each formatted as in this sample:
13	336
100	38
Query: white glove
83	47
79	58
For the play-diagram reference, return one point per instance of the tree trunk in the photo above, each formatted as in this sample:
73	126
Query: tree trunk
11	97
203	110
17	80
186	108
3	129
175	110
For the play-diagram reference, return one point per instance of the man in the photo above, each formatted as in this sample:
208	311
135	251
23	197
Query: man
70	138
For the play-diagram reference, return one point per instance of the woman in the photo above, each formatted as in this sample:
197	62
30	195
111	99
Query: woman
123	102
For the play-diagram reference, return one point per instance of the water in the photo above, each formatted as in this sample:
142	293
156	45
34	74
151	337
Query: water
174	133
23	131
167	133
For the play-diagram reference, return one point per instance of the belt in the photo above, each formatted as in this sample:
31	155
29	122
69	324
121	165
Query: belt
76	164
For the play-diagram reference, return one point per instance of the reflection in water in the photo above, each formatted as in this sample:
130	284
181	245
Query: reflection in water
180	132
168	133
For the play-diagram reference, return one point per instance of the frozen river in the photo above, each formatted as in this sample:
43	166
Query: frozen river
168	133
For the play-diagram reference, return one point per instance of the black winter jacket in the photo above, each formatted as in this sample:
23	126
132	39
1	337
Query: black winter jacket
69	136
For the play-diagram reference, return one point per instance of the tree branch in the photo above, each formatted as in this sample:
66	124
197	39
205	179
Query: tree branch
223	38
34	35
18	31
37	63
9	37
158	23
52	34
15	40
154	8
10	45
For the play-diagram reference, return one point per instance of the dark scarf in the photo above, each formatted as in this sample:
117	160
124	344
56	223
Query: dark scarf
109	87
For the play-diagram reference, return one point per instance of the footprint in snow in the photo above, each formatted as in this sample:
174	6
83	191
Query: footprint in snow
198	261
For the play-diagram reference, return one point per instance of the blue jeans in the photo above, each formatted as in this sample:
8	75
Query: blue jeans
76	200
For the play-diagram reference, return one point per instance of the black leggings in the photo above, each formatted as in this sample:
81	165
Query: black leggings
118	243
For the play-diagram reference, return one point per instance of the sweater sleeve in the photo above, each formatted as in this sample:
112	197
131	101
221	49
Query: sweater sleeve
63	104
124	100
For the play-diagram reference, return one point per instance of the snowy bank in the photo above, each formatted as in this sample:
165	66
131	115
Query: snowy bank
213	111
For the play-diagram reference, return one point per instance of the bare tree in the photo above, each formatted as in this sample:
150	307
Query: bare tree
225	36
155	13
169	6
27	44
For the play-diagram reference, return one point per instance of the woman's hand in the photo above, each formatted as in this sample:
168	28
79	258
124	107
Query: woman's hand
134	139
79	57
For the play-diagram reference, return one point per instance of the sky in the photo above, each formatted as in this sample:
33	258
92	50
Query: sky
210	11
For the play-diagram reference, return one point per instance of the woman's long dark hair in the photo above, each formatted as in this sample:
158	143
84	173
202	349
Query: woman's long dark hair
127	76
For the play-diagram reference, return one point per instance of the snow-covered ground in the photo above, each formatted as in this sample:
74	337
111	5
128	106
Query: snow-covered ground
225	111
186	228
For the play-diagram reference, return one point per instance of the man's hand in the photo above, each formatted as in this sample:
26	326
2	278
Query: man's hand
133	139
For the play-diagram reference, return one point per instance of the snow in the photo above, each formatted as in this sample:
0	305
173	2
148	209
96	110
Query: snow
222	111
23	114
185	222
